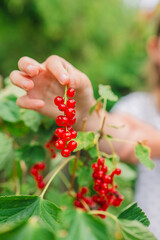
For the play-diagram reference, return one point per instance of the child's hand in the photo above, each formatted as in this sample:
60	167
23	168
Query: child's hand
43	82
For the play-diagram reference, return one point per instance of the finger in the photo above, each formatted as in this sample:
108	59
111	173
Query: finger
79	80
30	66
29	103
55	65
18	79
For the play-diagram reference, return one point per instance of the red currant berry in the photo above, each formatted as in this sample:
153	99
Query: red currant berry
117	171
79	195
71	103
58	100
100	174
47	145
34	171
67	136
101	161
84	190
72	145
70	112
95	166
59	132
62	121
95	198
78	204
97	188
74	134
41	166
104	185
39	178
72	121
70	92
54	155
65	152
70	129
102	192
104	169
98	182
107	179
41	185
94	175
62	107
60	144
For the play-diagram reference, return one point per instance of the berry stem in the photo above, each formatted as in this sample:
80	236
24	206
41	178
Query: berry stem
103	116
76	160
62	165
65	95
96	212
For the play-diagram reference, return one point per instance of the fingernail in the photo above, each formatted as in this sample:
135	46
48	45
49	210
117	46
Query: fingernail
25	84
64	78
31	68
39	104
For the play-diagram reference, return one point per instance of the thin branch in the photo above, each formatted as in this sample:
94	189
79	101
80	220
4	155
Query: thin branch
96	212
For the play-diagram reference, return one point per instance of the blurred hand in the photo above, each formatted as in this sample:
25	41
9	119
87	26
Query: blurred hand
43	82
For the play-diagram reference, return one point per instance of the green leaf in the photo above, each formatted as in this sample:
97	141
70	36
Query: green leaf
133	212
32	154
134	230
128	173
31	119
6	151
84	140
143	154
32	230
79	225
15	210
85	176
9	111
106	92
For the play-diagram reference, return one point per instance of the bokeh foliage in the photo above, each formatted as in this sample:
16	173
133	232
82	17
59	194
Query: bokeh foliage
104	38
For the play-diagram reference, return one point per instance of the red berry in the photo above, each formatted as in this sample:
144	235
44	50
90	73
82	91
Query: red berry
62	107
70	129
59	132
95	198
78	204
117	171
71	103
104	185
41	165
104	169
65	152
58	100
100	174
70	92
102	192
94	175
84	190
54	155
62	121
79	195
47	145
74	134
60	144
72	121
72	145
97	188
70	112
39	178
107	179
34	171
41	185
67	136
98	182
101	161
95	167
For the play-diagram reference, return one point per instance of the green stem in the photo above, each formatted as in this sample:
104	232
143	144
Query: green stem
96	212
65	94
103	114
62	165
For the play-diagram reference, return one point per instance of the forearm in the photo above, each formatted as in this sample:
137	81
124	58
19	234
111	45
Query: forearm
130	129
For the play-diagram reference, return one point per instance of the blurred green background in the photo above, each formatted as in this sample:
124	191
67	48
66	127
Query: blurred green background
105	39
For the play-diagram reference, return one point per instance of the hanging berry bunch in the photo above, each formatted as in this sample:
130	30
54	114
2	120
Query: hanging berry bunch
38	177
65	132
50	145
105	188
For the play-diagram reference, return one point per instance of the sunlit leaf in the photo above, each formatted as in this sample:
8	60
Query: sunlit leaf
143	154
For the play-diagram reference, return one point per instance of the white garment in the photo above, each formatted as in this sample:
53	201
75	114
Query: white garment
143	106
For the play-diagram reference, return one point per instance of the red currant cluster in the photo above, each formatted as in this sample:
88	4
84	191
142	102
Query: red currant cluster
105	188
50	145
38	177
65	133
81	199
